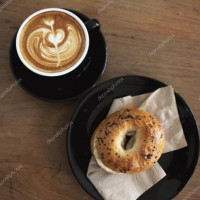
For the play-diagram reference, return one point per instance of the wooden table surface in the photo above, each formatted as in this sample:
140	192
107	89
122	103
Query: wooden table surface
159	39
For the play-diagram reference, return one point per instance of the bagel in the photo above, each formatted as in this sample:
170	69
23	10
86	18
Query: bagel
128	141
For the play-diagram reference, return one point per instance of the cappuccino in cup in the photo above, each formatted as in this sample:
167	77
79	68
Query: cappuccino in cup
52	42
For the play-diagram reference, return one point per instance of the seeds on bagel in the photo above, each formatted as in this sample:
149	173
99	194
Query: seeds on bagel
132	139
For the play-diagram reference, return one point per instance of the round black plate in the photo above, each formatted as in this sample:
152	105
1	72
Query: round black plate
67	86
178	165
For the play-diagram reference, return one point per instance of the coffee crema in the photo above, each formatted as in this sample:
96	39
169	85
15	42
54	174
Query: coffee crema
52	41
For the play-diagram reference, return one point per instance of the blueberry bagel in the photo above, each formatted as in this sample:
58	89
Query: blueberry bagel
128	141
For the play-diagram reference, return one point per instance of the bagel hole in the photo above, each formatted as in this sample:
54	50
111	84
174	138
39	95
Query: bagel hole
129	140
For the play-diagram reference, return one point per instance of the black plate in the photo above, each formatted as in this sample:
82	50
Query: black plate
66	86
179	165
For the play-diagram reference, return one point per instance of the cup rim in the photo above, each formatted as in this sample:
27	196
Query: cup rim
53	74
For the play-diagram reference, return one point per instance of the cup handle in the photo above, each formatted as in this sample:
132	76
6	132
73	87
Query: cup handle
92	24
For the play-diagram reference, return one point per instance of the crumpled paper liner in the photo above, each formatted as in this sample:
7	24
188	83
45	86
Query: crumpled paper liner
162	104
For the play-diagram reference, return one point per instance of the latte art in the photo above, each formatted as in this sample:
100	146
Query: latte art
52	41
53	47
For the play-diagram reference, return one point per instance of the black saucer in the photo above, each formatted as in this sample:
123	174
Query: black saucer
179	165
66	86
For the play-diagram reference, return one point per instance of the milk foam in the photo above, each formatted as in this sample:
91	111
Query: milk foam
52	42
